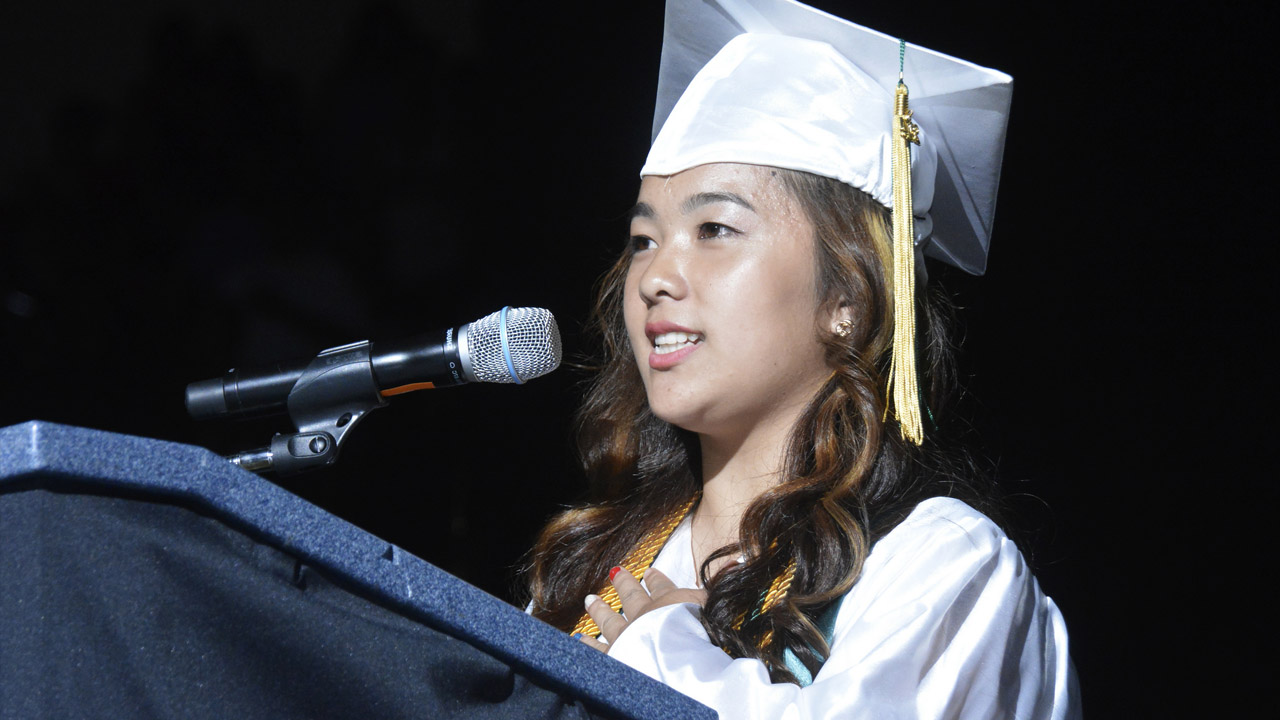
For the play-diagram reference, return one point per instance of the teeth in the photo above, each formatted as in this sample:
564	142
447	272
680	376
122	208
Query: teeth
673	341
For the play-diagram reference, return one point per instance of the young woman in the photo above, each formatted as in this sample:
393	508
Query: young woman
804	552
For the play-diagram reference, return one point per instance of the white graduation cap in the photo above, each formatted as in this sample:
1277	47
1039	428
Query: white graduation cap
775	82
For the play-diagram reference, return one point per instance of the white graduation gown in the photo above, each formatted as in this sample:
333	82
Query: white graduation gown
946	622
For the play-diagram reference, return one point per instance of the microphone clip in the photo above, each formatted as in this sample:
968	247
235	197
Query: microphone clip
335	391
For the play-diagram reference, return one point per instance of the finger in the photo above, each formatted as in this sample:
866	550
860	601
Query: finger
591	642
665	592
633	595
658	583
676	597
611	624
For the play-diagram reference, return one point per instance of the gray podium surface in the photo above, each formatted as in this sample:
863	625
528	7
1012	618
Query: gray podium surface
194	488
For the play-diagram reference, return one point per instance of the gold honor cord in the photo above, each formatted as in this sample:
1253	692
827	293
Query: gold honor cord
639	560
903	384
777	591
636	563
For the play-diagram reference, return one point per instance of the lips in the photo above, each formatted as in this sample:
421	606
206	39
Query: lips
671	343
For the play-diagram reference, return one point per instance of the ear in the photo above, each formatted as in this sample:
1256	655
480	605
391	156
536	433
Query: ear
840	316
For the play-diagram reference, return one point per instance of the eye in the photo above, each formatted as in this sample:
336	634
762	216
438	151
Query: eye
638	243
710	230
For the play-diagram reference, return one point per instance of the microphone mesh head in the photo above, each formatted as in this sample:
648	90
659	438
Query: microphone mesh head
532	337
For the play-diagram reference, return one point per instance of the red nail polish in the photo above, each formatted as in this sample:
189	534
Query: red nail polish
614	572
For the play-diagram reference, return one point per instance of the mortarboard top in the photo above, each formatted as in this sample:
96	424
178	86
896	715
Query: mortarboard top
779	97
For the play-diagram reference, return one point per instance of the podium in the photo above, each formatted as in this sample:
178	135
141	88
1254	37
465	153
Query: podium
148	579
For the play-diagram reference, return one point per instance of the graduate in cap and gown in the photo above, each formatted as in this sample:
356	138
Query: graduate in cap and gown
782	524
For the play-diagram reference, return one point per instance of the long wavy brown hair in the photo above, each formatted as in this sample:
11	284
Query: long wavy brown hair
847	477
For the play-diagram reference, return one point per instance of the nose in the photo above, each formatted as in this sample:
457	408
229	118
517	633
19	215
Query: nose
663	275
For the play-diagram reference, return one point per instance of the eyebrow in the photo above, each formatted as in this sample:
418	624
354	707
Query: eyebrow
693	202
642	210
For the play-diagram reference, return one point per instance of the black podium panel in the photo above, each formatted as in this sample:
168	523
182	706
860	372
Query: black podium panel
147	579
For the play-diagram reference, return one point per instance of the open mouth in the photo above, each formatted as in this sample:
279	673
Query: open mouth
673	341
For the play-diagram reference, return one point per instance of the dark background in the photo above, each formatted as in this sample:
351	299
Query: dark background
188	186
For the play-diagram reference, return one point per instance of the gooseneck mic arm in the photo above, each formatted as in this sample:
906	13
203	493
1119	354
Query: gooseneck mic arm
327	396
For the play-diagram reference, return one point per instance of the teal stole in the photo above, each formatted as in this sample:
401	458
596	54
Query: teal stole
827	626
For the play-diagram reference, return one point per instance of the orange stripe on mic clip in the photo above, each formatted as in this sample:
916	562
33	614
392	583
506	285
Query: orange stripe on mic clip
408	388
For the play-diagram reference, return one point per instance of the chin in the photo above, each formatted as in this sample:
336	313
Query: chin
682	416
682	423
667	411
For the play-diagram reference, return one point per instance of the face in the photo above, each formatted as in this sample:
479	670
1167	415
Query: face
720	303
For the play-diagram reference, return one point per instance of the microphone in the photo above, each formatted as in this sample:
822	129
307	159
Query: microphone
509	346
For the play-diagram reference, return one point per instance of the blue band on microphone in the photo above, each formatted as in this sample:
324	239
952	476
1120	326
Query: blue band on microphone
506	347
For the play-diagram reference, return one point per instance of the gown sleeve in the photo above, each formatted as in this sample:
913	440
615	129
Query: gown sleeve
946	622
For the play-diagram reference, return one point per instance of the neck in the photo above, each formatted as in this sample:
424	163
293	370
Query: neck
735	472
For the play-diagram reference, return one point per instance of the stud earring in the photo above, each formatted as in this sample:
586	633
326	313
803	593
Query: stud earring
844	328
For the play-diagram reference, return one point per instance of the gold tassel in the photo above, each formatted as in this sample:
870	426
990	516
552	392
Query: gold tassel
903	385
636	563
